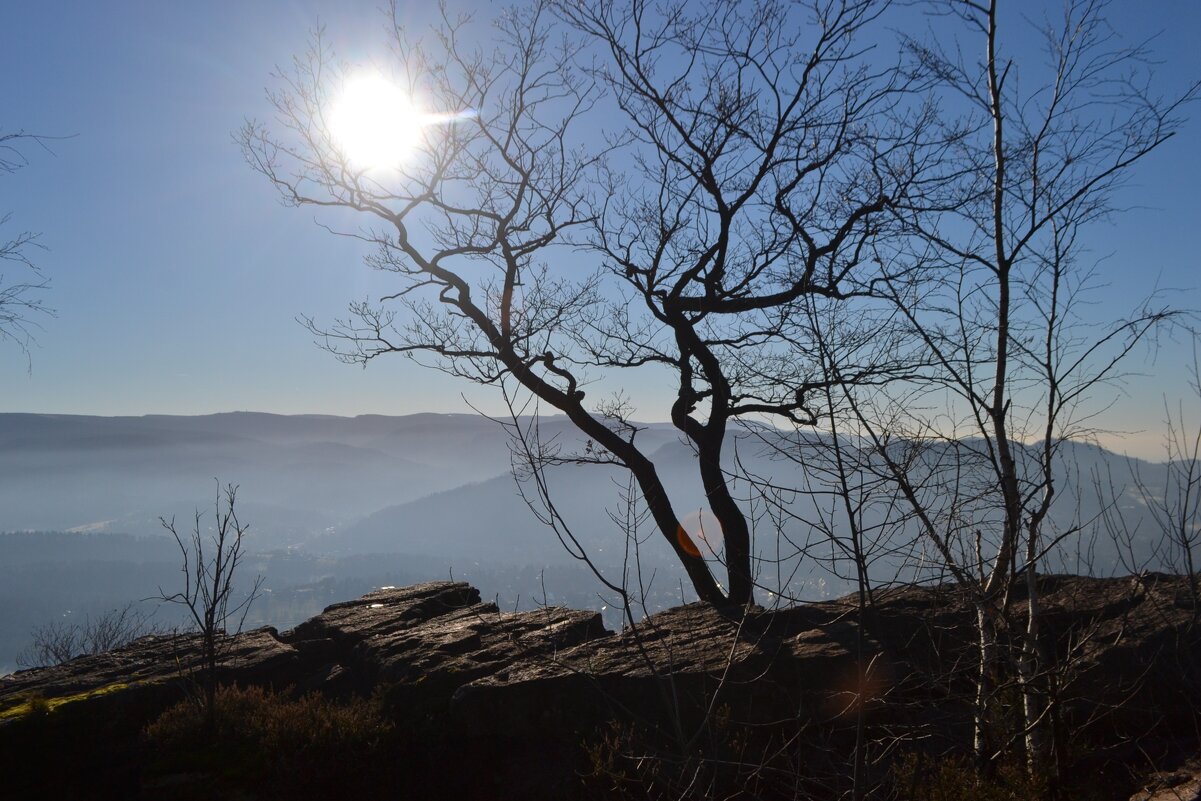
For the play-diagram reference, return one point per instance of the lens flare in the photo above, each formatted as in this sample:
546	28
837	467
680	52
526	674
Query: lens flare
686	543
699	534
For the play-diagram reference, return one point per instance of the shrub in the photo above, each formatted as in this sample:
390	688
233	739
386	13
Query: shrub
275	744
955	779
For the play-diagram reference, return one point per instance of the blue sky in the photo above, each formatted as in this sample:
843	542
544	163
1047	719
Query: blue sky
177	275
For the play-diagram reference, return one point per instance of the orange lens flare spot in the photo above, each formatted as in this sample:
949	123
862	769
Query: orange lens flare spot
686	543
700	535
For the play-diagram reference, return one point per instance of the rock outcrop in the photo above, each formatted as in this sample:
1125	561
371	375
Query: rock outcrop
519	690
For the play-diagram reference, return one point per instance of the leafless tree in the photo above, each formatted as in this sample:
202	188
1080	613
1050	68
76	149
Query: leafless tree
616	187
20	297
994	308
1177	510
211	562
1169	493
61	641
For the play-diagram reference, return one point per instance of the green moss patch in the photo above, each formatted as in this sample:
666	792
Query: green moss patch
21	706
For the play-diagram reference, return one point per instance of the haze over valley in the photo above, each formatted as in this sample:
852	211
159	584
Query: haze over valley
338	506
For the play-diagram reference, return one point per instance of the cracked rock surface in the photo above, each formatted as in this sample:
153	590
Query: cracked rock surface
527	681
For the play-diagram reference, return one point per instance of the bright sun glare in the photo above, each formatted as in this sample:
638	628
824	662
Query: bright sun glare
375	123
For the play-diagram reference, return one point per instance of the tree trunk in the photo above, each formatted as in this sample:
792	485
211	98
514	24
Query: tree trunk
1031	668
982	744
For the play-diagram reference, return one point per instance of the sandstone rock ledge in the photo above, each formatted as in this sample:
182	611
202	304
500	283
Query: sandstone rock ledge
527	687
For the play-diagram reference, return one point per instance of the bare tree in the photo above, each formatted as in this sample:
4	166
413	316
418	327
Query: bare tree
994	308
617	187
20	297
60	641
1175	505
211	562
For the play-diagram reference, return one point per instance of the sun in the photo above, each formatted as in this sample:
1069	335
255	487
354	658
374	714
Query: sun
375	123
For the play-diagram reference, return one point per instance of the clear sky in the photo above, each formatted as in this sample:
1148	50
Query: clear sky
177	275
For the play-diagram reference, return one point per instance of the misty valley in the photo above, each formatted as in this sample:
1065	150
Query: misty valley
337	507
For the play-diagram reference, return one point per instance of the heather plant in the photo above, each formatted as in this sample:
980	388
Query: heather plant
281	745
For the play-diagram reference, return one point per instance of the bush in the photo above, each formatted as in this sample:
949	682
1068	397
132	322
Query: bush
275	744
955	779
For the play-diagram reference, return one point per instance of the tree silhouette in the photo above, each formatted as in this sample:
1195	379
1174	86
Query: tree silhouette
19	297
993	308
210	565
623	187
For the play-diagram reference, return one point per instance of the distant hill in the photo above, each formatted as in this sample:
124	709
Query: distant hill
69	472
424	483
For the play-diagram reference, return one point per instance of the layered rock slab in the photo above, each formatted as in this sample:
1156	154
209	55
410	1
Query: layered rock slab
521	690
427	632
